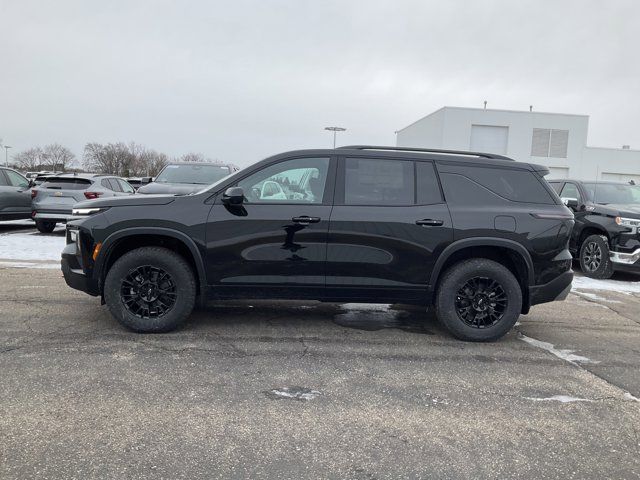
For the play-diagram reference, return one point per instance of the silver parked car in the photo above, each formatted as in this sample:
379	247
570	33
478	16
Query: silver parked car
15	197
53	200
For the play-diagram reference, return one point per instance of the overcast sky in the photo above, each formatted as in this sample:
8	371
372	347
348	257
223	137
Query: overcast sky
240	80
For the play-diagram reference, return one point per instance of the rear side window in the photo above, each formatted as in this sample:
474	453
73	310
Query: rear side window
369	181
512	184
3	180
106	184
428	191
115	186
67	184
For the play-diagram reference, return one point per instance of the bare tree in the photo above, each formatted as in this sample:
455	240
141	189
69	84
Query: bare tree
58	157
193	157
112	158
30	159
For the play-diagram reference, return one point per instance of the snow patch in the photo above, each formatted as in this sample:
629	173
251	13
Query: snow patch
559	398
586	283
31	246
366	307
560	353
294	393
630	398
29	265
595	298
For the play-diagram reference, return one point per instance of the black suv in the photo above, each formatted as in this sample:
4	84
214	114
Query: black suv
606	236
478	236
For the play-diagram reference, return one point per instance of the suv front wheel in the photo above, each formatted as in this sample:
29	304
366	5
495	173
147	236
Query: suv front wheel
150	289
478	300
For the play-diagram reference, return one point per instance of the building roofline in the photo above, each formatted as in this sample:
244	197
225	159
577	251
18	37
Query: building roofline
492	110
617	149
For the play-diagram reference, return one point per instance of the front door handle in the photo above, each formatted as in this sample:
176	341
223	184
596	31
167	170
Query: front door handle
428	222
305	219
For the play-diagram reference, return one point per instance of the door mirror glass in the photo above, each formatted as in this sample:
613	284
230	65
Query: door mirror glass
233	196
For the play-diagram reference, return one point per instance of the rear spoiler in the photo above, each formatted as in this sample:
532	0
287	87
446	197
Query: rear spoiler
540	169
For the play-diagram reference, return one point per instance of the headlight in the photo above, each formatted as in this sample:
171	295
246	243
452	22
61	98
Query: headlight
632	223
83	212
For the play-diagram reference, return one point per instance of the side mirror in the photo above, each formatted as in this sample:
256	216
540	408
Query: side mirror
572	203
146	180
32	183
233	196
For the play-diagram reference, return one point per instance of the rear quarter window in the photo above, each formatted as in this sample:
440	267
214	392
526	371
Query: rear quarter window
515	185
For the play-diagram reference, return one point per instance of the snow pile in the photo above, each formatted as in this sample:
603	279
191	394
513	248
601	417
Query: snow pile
585	283
32	246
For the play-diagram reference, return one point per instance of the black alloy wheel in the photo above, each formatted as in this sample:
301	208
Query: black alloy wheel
592	256
481	302
148	292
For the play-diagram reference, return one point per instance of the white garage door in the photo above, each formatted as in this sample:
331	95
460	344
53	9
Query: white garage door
620	177
489	139
557	173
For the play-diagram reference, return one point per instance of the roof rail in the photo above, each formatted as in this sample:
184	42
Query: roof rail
493	156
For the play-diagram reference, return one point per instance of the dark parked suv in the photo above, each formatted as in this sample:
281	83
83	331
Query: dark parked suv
607	232
478	236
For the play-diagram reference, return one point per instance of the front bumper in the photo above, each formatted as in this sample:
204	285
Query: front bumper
556	289
73	272
625	258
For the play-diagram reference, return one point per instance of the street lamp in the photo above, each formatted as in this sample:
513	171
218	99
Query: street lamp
335	130
6	155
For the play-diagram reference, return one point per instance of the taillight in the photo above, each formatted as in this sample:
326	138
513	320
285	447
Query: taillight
34	192
91	195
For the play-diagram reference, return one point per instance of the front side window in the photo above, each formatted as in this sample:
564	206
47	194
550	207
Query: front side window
301	180
620	193
17	180
3	180
371	181
570	190
126	188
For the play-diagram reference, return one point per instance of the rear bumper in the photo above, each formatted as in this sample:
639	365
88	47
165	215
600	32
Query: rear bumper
556	289
62	216
74	274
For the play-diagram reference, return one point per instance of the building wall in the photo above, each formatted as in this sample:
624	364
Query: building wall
450	128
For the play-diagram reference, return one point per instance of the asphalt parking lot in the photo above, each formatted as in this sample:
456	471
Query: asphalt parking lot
310	390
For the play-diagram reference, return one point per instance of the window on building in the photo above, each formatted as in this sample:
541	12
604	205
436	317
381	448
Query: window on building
549	142
489	139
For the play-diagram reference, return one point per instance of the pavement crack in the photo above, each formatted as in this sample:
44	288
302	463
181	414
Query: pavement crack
305	347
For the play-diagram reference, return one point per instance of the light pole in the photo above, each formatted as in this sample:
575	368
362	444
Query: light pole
6	155
335	130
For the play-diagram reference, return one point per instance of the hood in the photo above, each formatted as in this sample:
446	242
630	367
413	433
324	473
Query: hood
129	200
171	188
619	210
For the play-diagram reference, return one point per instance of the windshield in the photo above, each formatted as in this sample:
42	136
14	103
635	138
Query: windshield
605	193
199	174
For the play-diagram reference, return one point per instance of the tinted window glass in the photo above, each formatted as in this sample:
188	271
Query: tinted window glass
301	180
378	182
428	188
56	183
514	185
3	180
557	186
115	186
16	179
106	184
613	193
570	190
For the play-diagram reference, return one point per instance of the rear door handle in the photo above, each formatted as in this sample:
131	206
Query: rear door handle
427	222
305	219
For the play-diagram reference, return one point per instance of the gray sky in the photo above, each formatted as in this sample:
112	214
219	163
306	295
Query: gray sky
239	80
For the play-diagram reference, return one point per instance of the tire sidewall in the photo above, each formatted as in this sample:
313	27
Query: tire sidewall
605	270
166	260
456	277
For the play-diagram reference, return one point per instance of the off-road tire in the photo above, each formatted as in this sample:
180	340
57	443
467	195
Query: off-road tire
591	244
45	227
183	280
448	299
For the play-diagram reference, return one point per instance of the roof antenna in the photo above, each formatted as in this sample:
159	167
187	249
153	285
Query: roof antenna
531	108
485	104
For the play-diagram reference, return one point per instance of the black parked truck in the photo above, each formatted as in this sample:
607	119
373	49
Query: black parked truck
606	237
478	236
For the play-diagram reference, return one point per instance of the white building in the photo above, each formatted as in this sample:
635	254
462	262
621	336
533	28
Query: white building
556	140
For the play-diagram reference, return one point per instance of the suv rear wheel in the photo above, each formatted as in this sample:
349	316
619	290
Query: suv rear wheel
45	227
594	257
150	289
478	300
